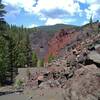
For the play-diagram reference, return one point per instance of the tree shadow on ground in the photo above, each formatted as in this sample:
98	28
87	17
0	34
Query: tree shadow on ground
10	92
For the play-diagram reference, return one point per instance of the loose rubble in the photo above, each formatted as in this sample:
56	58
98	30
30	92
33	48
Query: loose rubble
62	69
85	85
70	72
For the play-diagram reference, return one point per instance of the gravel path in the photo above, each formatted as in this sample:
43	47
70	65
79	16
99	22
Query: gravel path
45	94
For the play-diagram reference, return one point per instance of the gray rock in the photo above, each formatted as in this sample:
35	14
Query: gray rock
84	85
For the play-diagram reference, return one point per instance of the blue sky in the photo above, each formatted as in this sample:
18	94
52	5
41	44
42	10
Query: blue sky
32	13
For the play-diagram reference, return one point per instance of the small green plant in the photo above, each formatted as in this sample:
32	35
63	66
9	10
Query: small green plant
40	63
50	58
34	59
18	83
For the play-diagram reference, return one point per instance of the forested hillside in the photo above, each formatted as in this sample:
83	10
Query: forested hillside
14	47
52	29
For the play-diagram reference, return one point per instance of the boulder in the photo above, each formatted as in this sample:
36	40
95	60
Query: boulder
93	55
49	84
44	85
98	49
84	85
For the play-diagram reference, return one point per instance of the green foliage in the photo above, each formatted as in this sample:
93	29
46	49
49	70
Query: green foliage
18	83
50	58
52	29
4	54
22	51
4	61
40	63
34	59
2	21
14	47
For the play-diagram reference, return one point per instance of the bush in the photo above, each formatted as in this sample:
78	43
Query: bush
40	63
50	58
34	59
18	83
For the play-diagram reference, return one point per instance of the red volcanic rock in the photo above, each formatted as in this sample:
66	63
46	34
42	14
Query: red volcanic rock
59	41
55	69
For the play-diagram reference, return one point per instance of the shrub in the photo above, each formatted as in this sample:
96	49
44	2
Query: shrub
40	63
50	58
34	59
18	83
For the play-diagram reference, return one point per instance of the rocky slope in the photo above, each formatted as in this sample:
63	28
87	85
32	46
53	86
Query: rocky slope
67	39
40	36
73	75
84	85
47	40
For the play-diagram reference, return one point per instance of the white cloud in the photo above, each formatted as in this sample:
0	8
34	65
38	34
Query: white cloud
42	17
51	21
67	5
70	20
93	9
82	1
88	1
92	1
31	26
26	4
85	22
70	7
13	13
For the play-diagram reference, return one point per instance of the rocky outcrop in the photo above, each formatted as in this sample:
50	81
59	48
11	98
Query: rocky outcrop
94	55
38	42
84	85
59	41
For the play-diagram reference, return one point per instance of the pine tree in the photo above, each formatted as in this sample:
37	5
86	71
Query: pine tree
6	48
3	46
2	14
28	51
91	22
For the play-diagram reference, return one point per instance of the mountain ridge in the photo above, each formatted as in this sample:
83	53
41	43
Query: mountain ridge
46	33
